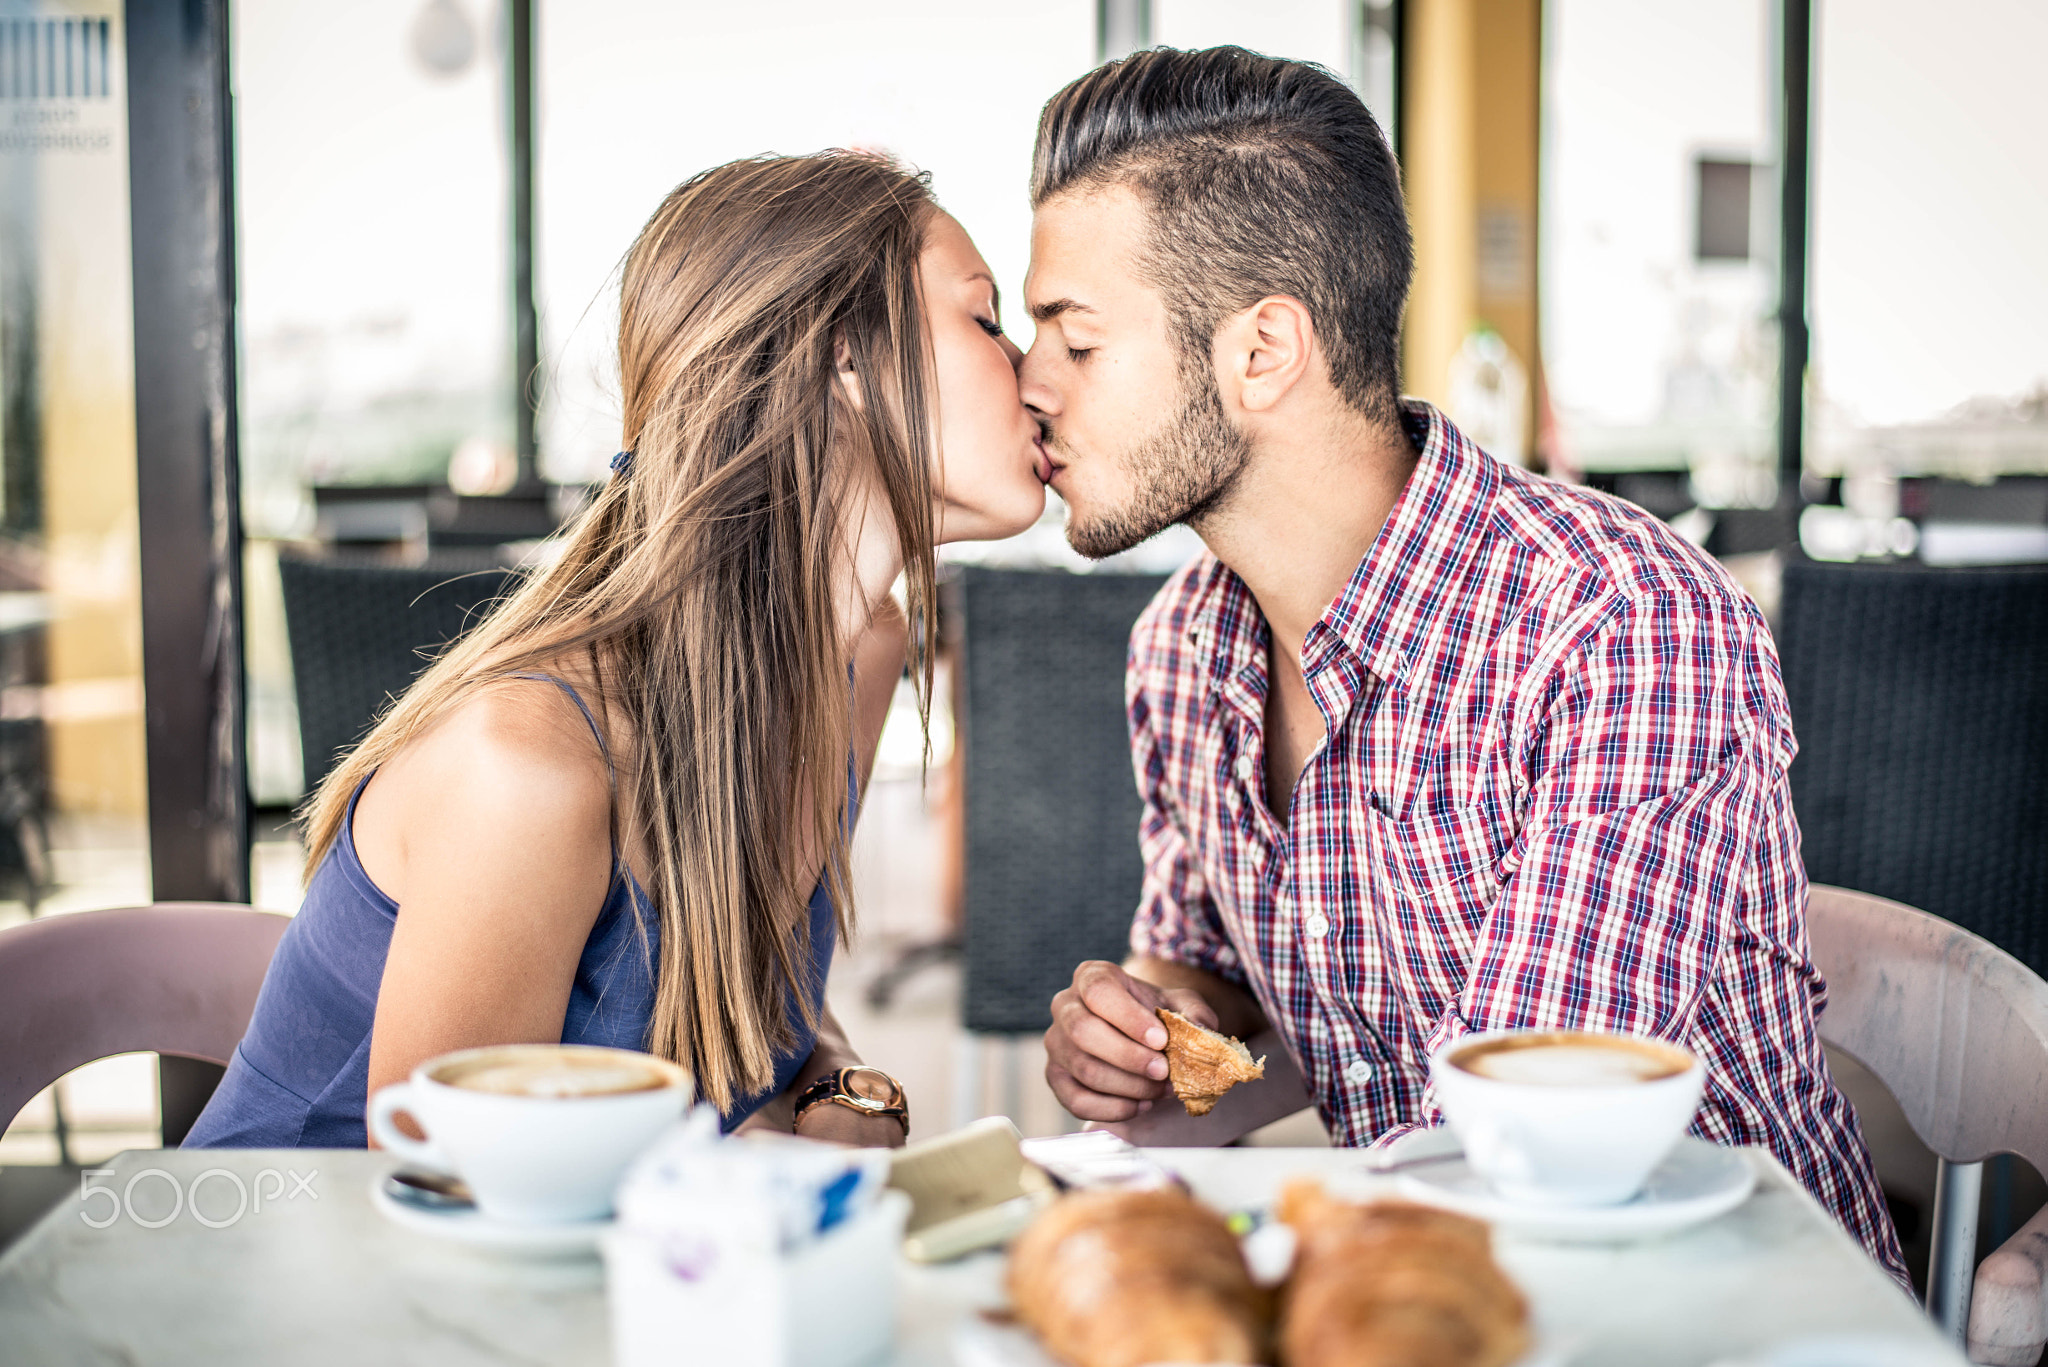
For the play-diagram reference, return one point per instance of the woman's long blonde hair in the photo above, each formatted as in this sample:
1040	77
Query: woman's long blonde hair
700	586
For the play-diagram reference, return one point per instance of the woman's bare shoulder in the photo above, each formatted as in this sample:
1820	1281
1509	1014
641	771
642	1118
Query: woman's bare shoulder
514	765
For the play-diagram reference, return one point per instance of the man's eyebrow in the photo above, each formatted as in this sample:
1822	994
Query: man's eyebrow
1046	312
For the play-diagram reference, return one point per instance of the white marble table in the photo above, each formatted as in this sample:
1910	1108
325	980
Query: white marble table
312	1274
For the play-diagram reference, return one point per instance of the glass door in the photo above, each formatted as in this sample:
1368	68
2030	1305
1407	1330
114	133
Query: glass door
73	791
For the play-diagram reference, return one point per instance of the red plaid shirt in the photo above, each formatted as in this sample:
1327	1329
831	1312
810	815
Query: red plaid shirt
1552	794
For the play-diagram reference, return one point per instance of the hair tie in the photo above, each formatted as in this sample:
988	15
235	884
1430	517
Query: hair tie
622	463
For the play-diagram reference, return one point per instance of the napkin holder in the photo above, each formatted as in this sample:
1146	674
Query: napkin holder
830	1302
969	1189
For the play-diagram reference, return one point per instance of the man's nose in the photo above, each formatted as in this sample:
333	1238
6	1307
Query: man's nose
1038	396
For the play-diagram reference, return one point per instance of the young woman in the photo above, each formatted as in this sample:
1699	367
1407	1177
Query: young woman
617	812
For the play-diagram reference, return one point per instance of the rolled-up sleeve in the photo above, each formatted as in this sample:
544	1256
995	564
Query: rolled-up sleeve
1177	920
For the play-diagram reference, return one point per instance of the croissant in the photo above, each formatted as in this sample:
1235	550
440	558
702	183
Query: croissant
1394	1285
1124	1278
1202	1064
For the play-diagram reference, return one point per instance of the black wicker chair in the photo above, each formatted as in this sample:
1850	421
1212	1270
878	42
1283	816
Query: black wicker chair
1052	866
1920	697
360	633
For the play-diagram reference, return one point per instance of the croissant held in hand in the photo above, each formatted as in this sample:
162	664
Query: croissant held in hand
1203	1064
1124	1278
1391	1284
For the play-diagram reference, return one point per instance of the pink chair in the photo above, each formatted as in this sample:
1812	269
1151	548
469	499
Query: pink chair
175	978
1957	1031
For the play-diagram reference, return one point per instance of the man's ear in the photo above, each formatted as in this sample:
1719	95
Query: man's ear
842	364
1263	352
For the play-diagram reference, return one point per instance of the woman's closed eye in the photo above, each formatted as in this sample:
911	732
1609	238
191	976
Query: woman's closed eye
990	326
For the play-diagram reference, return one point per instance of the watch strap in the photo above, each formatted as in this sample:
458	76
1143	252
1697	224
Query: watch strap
835	1089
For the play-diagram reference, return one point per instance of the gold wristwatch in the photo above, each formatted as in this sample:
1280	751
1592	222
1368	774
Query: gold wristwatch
870	1091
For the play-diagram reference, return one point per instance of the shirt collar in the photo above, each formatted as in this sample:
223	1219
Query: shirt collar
1394	601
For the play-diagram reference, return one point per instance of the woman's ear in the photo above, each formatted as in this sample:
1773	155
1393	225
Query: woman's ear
842	364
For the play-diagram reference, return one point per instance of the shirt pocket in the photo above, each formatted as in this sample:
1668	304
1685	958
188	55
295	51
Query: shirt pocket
1434	878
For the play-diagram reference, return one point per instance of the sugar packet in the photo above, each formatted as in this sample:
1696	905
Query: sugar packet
763	1193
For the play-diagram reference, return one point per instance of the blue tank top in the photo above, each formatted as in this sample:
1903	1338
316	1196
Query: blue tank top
300	1077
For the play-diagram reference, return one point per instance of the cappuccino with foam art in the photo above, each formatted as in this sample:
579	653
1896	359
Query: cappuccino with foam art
1566	1117
544	1072
1571	1058
540	1132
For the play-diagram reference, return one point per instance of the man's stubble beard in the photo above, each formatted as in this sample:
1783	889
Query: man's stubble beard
1181	472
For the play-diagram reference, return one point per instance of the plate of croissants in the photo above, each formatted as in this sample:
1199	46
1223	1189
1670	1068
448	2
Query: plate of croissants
1138	1278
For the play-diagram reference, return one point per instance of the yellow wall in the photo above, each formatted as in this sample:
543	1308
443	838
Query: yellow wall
1470	131
93	704
1508	59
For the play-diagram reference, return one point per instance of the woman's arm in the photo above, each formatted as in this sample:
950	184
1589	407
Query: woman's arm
840	1124
493	834
877	665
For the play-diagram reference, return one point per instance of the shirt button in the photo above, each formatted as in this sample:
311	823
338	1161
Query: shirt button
1359	1073
1318	926
1244	768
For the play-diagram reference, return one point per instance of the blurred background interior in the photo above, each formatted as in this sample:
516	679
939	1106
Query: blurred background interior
305	323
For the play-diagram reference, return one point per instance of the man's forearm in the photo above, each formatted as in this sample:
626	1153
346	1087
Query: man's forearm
1237	1011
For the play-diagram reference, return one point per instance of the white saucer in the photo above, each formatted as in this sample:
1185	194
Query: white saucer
479	1231
1697	1182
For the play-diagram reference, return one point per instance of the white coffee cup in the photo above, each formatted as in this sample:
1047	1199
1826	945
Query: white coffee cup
540	1132
1566	1118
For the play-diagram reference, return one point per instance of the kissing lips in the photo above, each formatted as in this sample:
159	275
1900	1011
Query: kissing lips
1046	469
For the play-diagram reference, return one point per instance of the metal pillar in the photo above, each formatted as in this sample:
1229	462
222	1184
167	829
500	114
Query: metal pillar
1121	28
181	204
1952	1267
970	1076
1376	63
1795	58
967	1078
525	320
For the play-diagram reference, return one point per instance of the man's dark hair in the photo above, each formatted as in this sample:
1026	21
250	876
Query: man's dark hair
1261	176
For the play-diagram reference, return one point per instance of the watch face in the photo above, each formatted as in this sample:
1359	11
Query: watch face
869	1086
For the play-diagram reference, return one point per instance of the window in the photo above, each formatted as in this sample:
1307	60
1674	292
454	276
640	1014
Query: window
72	793
1657	226
375	294
954	89
1930	210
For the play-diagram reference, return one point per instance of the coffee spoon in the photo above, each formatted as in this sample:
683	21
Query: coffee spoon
428	1190
1378	1166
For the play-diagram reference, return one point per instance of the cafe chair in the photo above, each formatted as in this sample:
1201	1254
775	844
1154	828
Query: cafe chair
176	978
1957	1031
361	632
1052	811
1920	696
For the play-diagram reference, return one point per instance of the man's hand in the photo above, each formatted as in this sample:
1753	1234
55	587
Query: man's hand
1104	1058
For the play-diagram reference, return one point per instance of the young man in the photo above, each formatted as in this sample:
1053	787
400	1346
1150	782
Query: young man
1428	744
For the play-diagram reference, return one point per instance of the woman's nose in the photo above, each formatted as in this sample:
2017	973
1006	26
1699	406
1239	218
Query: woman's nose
1015	354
